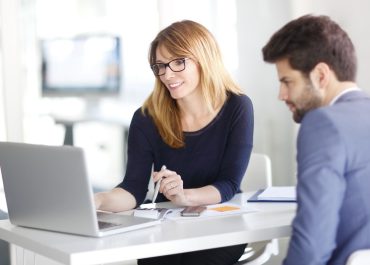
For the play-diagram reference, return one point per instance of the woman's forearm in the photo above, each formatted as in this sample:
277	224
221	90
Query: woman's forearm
116	200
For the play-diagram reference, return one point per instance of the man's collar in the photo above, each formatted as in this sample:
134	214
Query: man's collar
350	89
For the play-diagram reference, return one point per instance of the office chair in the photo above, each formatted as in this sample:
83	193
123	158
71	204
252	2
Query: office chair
359	257
258	176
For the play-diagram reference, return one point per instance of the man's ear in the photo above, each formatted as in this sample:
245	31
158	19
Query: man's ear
321	75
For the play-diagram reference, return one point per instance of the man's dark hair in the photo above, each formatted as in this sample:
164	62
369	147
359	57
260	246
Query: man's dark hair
309	40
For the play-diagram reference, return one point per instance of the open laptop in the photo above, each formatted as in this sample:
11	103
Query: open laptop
47	187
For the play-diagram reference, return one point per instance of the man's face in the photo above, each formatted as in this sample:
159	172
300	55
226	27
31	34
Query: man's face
297	91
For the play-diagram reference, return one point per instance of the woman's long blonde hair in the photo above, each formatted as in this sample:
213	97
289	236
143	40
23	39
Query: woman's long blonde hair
187	39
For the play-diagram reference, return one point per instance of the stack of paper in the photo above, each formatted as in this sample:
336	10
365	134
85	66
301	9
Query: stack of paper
275	194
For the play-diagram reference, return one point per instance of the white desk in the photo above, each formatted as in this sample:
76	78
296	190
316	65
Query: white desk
116	114
273	220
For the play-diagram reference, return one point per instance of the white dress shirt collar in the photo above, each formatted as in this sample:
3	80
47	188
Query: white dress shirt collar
342	93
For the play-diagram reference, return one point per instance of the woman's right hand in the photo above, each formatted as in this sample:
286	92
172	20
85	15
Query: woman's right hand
98	200
171	186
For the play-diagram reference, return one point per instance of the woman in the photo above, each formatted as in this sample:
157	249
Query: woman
197	123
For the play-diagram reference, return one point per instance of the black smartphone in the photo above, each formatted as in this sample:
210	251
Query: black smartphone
193	211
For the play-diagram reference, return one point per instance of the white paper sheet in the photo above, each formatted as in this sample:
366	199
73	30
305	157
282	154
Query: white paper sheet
279	193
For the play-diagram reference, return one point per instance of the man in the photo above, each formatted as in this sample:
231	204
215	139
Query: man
316	65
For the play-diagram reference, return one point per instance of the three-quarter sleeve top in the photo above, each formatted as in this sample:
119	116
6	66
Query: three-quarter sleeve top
216	155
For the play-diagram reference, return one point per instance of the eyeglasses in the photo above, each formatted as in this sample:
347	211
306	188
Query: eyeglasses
176	65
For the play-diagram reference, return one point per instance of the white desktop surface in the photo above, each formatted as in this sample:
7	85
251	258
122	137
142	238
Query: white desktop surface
273	220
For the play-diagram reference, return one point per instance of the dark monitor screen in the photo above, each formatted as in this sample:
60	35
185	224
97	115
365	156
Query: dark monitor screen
81	66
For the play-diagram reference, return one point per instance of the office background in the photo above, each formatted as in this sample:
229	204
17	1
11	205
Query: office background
241	27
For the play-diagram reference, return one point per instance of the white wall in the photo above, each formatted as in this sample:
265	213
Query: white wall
11	95
354	17
274	128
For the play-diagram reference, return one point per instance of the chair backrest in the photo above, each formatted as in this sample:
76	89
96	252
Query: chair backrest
258	174
359	257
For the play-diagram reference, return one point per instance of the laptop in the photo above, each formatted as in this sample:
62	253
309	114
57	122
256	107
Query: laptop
47	187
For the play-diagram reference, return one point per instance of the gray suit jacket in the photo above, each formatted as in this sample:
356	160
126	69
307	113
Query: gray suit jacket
333	190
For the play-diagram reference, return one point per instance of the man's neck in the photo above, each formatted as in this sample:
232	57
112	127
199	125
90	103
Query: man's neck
336	89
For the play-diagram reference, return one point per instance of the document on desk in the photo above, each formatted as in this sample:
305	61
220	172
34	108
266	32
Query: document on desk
214	210
275	194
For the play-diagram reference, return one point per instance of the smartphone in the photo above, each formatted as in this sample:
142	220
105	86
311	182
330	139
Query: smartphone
193	211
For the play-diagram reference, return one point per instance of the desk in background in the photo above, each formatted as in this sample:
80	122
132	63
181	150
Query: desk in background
272	220
113	114
69	121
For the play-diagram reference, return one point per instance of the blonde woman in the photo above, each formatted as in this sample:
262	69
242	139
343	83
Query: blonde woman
196	122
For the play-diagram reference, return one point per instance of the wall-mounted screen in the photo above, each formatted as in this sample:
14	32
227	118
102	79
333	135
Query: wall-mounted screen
81	66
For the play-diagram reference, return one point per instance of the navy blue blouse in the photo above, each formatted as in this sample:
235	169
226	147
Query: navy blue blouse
217	155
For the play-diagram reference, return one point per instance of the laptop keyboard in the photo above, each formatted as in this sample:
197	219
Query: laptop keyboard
108	220
104	225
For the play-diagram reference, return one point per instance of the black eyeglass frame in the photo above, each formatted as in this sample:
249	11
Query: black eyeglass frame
165	65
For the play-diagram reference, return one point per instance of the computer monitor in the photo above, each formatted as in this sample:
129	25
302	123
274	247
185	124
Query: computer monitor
83	66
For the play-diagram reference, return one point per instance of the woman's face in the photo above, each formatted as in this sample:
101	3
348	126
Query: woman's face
180	83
